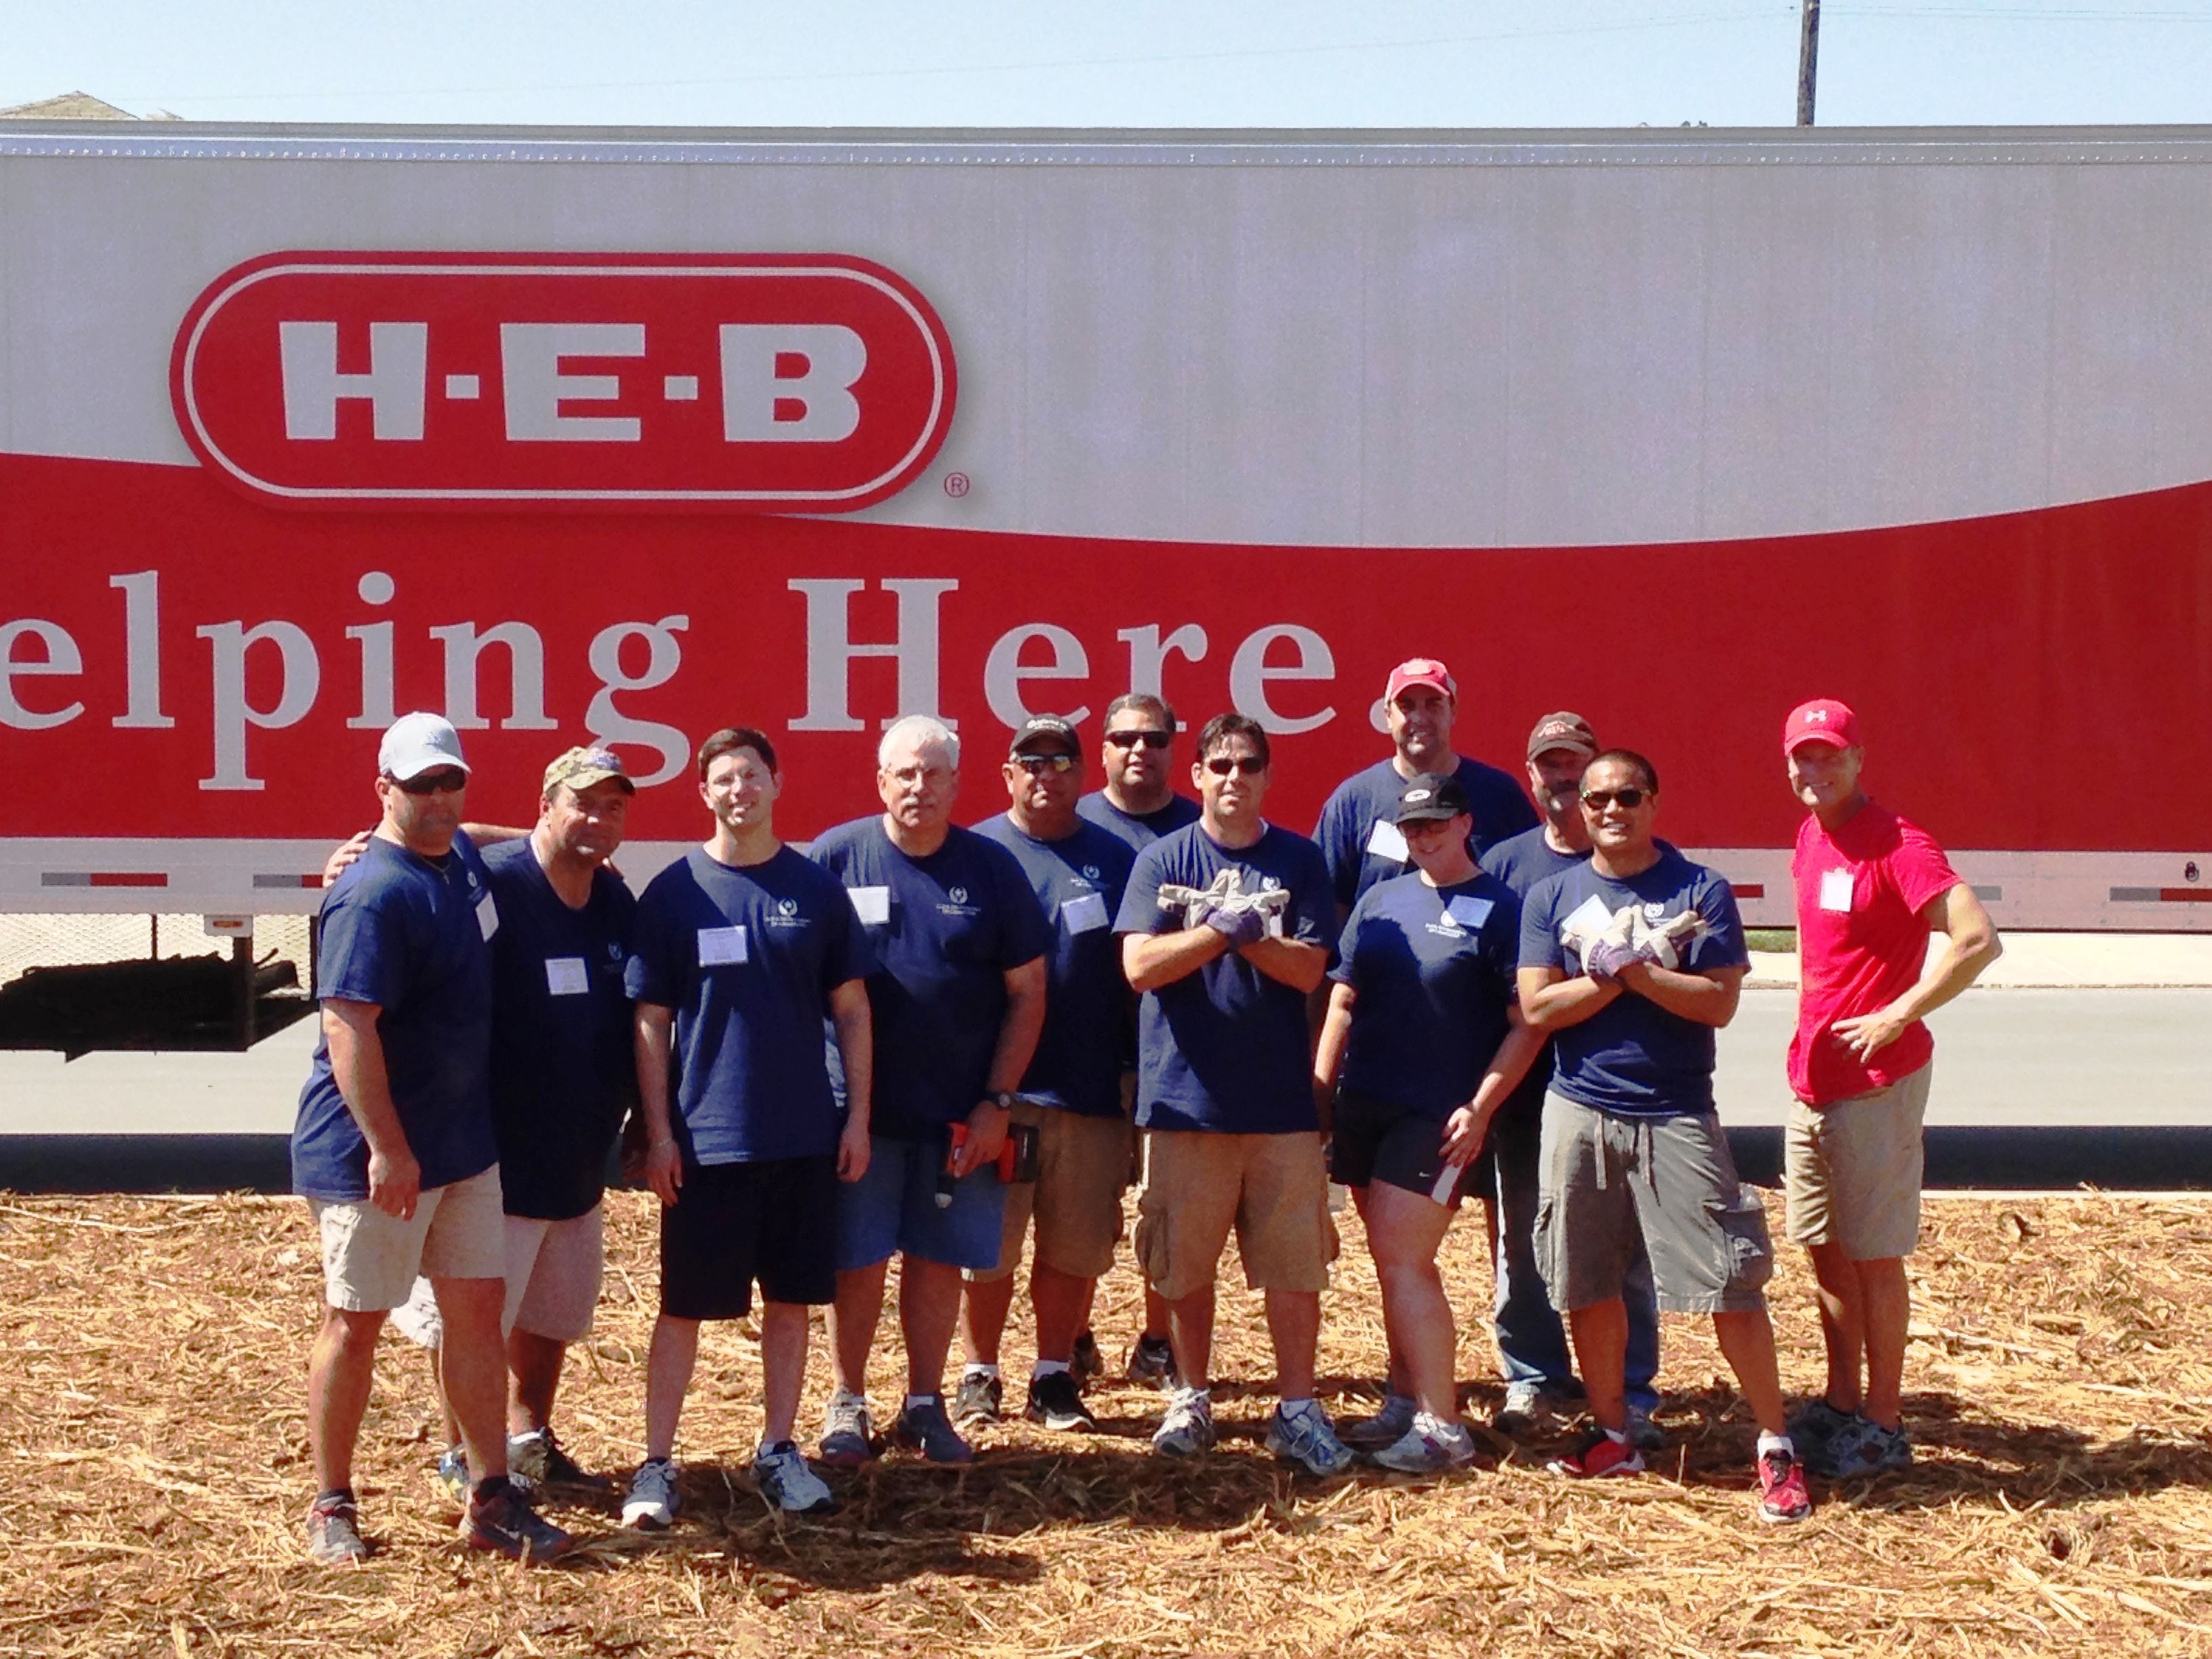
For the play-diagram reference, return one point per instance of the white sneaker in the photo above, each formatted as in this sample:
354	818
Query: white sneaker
1429	1446
1306	1438
1386	1428
784	1478
1187	1429
652	1502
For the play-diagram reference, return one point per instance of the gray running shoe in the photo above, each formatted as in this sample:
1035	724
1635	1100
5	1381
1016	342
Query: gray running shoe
785	1480
1865	1448
1307	1438
537	1461
1815	1429
1386	1428
651	1505
1152	1360
1525	1408
1187	1429
1429	1446
506	1525
848	1438
1643	1433
1086	1361
926	1429
334	1537
453	1475
977	1400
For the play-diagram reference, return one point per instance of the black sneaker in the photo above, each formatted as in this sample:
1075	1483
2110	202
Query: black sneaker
978	1400
1056	1403
1086	1361
1151	1361
334	1537
1817	1430
506	1525
537	1461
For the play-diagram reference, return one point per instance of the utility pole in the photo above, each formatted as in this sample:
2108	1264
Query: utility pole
1808	62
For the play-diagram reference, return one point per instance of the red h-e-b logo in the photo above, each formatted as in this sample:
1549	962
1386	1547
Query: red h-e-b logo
757	383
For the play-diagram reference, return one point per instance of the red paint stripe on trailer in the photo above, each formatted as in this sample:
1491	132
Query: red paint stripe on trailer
130	879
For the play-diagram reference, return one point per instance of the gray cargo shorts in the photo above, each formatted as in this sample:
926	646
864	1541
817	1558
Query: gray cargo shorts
1610	1180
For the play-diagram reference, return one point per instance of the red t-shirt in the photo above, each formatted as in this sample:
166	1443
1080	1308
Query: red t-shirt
1861	945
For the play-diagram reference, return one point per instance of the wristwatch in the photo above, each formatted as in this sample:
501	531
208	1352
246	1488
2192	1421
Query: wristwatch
1004	1100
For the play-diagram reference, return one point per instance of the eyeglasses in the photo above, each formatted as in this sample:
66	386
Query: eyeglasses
449	781
1037	765
1151	739
1597	800
1250	765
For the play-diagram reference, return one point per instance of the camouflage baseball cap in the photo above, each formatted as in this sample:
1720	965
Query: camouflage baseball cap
579	769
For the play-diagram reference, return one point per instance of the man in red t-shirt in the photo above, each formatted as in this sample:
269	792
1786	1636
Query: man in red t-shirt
1871	889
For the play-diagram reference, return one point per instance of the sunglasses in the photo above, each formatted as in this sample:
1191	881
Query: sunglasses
1250	765
1598	800
1037	765
449	781
1151	739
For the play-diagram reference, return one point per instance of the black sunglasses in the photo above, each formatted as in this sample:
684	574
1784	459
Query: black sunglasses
1151	739
1036	765
1598	800
1250	765
447	781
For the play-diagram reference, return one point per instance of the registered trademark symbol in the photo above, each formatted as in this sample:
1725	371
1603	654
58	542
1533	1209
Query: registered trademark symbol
955	484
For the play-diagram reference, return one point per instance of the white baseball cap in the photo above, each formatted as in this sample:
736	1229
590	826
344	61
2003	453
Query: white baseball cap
416	744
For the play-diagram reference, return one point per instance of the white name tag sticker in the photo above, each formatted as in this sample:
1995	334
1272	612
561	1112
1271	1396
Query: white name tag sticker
1084	914
1836	889
872	905
1469	911
565	976
1590	919
1387	840
720	947
487	917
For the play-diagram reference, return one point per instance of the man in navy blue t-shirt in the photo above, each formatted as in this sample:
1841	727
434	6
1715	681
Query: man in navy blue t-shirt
958	998
1071	1096
1356	832
1225	931
744	950
394	1147
1532	1343
1632	960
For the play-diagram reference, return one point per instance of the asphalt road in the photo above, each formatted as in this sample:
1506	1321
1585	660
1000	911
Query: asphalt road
2044	1058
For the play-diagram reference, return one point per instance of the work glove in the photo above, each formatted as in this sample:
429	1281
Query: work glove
1240	923
1198	903
1611	950
1668	943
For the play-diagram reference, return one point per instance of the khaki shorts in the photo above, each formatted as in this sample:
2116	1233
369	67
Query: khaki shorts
1273	1189
1611	1180
1851	1170
1083	1170
370	1259
552	1270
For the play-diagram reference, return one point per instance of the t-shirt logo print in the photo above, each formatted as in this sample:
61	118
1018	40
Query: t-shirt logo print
957	895
788	906
1090	871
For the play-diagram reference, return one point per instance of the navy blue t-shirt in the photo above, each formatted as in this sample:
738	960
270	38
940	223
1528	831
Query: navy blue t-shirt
947	930
747	958
1433	968
1523	861
412	936
1359	832
1632	1056
562	1067
1225	1049
1138	830
1078	880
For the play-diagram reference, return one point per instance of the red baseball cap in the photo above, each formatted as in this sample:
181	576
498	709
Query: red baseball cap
1823	719
1421	671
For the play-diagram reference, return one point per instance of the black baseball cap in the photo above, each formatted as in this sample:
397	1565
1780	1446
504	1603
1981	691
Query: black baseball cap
1044	726
1429	798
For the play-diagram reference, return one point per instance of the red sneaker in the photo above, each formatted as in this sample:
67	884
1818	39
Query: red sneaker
1599	1456
1781	1495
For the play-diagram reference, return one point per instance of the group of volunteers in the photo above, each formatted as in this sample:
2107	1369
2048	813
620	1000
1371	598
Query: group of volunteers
950	1044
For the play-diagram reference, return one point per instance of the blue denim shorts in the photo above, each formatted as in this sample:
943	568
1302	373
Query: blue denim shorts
893	1209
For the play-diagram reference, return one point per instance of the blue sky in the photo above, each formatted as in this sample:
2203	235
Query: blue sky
1138	62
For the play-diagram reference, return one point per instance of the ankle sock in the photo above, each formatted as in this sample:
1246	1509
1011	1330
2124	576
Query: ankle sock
916	1402
975	1369
1045	1368
1773	1443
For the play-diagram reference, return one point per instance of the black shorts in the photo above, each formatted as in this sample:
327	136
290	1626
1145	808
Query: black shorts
775	1221
1400	1147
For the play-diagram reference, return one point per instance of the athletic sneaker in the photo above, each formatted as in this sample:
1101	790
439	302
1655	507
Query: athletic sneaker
1152	1360
453	1475
1643	1433
1864	1447
537	1462
1598	1458
1429	1446
652	1503
334	1537
1187	1429
1813	1430
926	1429
505	1524
1524	1408
978	1399
848	1438
1306	1438
1086	1361
1386	1428
785	1480
1781	1495
1056	1403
